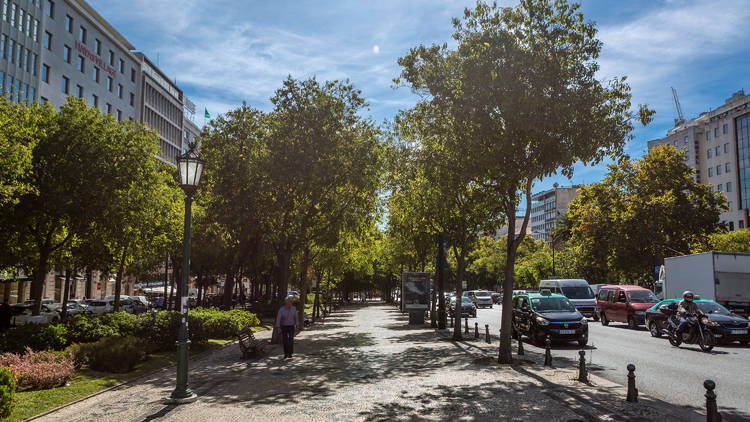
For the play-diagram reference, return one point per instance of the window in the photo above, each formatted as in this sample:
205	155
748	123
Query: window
720	187
725	129
710	172
26	64
109	83
35	31
98	46
731	206
5	17
109	108
68	23
718	169
94	100
3	41
132	99
79	91
119	115
50	9
708	134
716	132
82	35
81	64
119	90
731	226
12	51
47	40
718	151
111	58
675	143
32	94
729	186
726	167
9	86
33	63
95	74
132	75
20	28
742	224
726	148
122	66
66	54
45	73
65	85
28	24
686	140
709	153
2	79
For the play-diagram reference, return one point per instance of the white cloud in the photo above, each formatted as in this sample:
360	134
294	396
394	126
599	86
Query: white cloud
376	49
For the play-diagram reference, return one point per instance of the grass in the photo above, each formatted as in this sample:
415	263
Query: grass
87	381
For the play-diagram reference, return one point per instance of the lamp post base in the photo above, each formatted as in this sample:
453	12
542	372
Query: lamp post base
183	400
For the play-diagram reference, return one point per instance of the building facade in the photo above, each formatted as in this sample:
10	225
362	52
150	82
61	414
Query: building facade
718	149
547	207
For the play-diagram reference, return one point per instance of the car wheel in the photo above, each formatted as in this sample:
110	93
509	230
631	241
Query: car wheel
653	329
595	316
631	323
583	342
605	321
745	342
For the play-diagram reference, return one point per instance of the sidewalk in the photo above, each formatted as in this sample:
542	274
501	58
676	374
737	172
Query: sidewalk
365	363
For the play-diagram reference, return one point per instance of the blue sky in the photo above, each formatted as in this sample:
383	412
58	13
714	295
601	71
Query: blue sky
224	52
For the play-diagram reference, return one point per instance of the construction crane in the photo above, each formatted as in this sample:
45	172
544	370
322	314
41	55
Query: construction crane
680	117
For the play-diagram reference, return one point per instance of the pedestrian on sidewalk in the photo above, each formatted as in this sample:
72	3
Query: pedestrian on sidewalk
287	321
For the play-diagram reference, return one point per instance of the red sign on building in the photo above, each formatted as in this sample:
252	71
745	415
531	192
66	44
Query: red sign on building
95	59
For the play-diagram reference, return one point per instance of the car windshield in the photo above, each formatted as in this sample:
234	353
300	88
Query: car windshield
642	296
466	301
577	292
712	308
552	304
481	294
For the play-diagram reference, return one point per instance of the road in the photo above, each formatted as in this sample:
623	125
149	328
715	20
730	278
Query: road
672	374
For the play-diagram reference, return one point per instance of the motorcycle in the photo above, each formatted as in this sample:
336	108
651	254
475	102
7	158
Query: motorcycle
696	333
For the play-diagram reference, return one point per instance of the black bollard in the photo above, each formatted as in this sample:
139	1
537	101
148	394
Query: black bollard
476	331
583	375
712	412
632	391
466	325
547	352
487	332
520	345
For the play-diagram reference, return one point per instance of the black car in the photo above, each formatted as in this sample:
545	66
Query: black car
538	315
467	307
726	326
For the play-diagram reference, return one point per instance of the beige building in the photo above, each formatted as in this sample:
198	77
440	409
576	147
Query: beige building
547	207
718	148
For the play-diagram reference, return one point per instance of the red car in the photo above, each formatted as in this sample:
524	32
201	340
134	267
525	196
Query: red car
624	303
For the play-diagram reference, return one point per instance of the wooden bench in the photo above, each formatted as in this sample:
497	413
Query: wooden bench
249	345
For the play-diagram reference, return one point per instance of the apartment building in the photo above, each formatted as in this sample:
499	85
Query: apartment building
547	207
718	148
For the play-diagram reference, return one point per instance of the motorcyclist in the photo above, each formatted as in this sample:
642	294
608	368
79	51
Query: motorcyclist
685	310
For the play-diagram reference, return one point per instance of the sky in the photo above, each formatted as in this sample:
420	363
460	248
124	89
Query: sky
223	52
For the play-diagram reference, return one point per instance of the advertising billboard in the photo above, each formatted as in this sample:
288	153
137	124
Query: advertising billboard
415	288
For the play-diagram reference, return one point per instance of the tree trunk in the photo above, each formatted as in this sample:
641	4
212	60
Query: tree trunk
66	293
89	280
303	280
118	279
226	299
441	284
37	283
433	306
166	280
459	300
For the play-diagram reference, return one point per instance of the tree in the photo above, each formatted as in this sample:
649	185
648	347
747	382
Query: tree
643	211
734	241
21	128
521	86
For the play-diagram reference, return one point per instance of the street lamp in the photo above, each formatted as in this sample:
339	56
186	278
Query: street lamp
190	165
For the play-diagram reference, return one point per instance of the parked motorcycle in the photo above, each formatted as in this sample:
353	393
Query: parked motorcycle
696	333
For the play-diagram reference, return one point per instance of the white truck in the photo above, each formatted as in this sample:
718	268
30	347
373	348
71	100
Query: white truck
720	276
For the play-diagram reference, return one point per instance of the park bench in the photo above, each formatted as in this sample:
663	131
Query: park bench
249	345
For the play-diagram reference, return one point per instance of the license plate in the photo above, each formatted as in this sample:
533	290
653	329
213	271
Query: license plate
738	332
567	331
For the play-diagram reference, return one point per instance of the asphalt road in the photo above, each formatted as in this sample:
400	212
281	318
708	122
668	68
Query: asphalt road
672	374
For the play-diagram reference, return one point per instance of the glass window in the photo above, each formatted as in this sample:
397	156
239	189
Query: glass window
3	41
109	108
12	20
5	17
709	153
742	129
718	169
79	91
68	23
119	90
2	79
686	140
98	46
718	151
47	40
708	134
716	132
33	63
35	31
731	206
50	9
675	143
28	24
726	167
66	54
119	115
725	129
45	73
81	64
20	28
726	148
122	66
742	224
729	186
132	75
109	83
82	35
720	187
32	94
132	99
9	86
26	60
94	100
95	74
710	172
111	58
11	51
65	85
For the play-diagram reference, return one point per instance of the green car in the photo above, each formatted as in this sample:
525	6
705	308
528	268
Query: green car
538	315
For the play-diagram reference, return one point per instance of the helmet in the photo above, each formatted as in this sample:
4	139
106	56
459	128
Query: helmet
688	295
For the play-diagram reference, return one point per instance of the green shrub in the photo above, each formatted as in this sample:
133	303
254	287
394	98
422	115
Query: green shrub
88	328
37	337
111	354
158	329
7	392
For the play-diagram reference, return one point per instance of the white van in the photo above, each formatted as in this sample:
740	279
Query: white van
577	290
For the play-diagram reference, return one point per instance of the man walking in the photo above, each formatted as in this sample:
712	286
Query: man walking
287	320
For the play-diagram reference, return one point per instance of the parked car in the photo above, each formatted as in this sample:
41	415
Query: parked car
726	326
596	287
481	298
23	315
624	303
467	307
538	315
497	298
75	308
577	290
97	306
48	302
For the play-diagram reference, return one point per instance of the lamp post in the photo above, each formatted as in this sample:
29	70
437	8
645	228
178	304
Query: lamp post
190	165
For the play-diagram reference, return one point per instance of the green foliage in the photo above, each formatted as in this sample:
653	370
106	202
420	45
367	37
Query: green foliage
111	354
7	392
734	241
37	337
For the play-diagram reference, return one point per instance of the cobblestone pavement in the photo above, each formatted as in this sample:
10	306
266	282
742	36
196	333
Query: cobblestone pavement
366	363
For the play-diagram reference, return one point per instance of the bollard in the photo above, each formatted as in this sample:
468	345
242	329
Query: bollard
583	375
451	320
466	325
712	412
520	345
632	391
487	332
476	331
547	352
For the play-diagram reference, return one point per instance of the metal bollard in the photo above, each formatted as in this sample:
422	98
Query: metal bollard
712	412
476	331
520	345
466	325
583	375
487	333
632	391
547	352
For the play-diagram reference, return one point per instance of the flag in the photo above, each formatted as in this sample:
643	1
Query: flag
206	115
